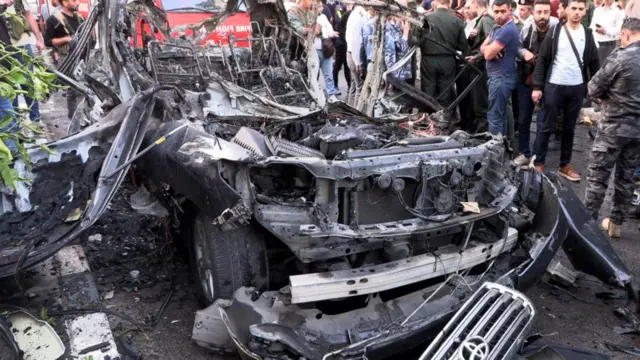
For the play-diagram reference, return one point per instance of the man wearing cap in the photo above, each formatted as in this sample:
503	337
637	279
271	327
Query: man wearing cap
525	12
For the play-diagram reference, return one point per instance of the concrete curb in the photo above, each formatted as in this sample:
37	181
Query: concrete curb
90	335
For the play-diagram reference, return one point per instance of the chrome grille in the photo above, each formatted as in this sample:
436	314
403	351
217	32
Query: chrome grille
491	325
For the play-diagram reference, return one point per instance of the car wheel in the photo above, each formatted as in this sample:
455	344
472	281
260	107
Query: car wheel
224	261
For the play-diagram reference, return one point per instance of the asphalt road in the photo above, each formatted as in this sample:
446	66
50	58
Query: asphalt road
574	316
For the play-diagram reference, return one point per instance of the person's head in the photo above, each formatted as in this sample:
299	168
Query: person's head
630	31
483	5
525	11
501	11
514	6
443	4
576	10
305	5
371	11
71	5
319	6
55	3
471	9
542	13
608	2
562	9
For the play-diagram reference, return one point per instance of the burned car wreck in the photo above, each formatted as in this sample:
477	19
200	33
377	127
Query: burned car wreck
315	229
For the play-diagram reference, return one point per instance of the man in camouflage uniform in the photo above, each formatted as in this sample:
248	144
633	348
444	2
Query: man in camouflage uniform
617	143
396	47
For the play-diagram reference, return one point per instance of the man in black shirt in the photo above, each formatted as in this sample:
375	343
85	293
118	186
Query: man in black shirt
61	27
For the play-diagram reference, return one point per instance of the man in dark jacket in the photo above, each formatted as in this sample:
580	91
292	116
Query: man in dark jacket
531	37
567	58
617	143
341	18
438	68
480	92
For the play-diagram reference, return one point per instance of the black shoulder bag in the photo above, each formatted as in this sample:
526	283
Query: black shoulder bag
575	52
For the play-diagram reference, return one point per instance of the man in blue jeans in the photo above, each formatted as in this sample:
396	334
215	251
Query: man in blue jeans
500	50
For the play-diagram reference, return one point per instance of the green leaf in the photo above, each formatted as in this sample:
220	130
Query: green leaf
7	91
47	149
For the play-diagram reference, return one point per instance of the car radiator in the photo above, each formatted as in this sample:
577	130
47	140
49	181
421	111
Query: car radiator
491	325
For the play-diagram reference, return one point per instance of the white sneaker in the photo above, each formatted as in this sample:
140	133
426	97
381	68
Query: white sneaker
522	161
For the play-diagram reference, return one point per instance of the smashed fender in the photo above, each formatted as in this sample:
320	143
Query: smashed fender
586	245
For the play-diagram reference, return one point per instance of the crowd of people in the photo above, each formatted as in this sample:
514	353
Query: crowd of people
551	55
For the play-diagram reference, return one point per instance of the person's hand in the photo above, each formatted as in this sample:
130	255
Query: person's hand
471	59
600	30
598	101
536	96
40	46
6	3
318	28
358	69
474	33
529	57
335	34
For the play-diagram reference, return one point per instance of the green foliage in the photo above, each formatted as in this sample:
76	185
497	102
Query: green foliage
39	83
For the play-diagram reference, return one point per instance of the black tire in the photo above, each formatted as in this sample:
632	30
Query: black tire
234	258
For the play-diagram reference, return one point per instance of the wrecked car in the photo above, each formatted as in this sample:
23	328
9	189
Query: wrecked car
315	230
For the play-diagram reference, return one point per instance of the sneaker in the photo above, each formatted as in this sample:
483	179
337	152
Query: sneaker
522	161
611	228
539	168
570	174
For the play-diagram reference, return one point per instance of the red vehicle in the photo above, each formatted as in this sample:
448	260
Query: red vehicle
238	24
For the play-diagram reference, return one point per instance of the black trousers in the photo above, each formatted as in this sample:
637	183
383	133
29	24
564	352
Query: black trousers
569	99
341	62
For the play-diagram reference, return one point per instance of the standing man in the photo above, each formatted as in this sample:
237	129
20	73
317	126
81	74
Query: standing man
567	58
342	16
61	26
526	12
438	68
617	143
353	37
606	24
480	93
24	38
500	49
531	38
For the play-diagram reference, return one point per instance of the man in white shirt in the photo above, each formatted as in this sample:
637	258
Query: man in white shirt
566	59
24	38
606	23
353	37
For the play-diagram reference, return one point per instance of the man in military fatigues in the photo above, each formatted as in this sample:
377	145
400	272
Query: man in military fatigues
396	46
438	67
61	26
617	143
480	93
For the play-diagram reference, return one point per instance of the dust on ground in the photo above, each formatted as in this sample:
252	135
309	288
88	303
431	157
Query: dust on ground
132	242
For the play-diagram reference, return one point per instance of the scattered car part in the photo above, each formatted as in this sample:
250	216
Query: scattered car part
492	325
8	346
36	338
